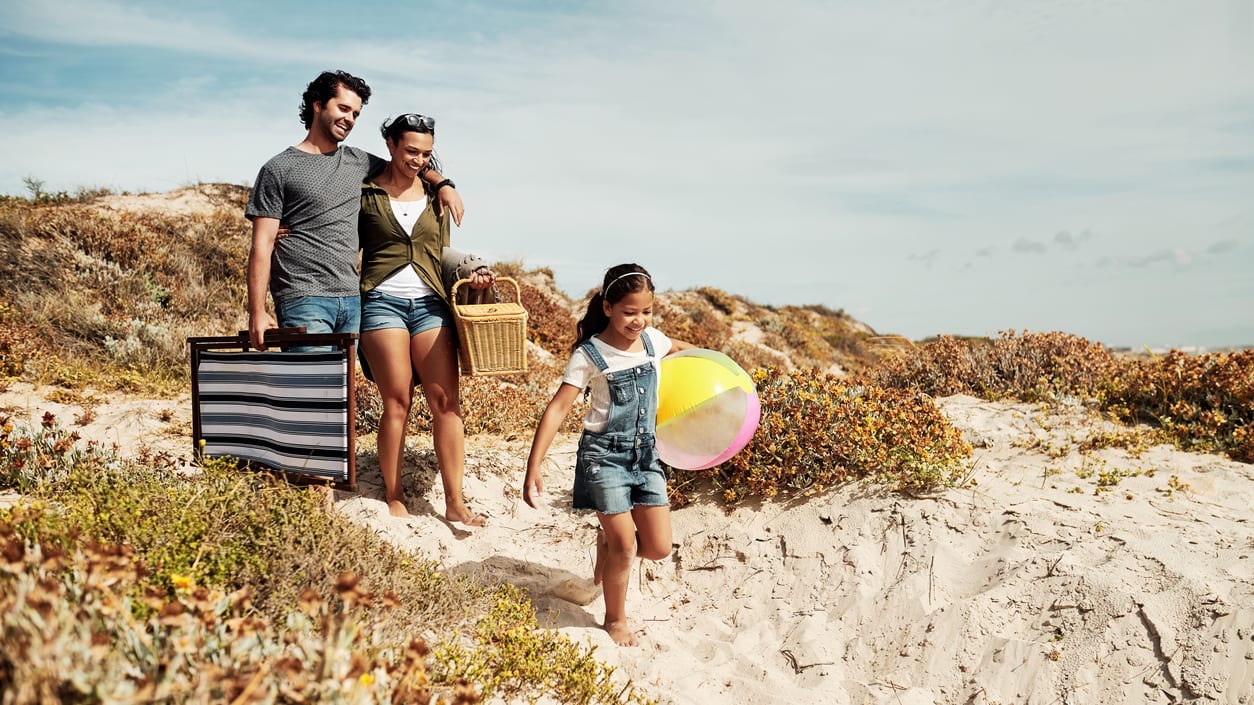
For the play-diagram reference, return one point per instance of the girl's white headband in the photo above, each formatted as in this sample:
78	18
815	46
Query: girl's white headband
615	280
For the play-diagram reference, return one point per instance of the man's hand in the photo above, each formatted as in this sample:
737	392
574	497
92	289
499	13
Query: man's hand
257	327
451	202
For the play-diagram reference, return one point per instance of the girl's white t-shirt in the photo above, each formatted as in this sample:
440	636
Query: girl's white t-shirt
582	372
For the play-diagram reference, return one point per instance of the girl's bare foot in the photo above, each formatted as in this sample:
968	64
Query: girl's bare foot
621	633
465	516
397	508
598	569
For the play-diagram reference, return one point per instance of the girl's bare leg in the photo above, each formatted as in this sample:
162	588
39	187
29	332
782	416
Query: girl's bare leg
620	548
598	570
653	531
435	358
387	351
653	538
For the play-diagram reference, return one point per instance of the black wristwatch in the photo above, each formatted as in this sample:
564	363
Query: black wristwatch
442	184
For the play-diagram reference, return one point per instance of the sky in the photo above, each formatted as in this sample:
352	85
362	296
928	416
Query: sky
957	167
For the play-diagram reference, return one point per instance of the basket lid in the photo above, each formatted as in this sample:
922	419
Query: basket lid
502	309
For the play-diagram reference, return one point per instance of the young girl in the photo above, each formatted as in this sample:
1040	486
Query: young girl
616	358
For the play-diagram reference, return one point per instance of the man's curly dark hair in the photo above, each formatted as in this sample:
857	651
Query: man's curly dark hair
324	88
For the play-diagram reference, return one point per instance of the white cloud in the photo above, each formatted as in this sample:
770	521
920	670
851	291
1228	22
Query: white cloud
102	23
1027	246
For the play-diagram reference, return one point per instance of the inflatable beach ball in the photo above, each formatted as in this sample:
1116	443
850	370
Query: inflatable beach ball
707	409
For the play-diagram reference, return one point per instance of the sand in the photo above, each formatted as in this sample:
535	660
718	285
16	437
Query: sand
1026	585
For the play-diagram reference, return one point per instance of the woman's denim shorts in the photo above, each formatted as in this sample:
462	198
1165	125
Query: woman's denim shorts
380	311
615	474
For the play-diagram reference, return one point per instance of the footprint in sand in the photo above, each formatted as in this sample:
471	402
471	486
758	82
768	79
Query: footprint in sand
579	591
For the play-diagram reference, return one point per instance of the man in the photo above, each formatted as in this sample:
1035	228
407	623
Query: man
314	190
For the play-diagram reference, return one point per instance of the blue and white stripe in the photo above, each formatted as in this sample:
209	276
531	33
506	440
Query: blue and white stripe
288	410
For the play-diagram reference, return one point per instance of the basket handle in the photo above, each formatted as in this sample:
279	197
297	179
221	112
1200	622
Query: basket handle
517	289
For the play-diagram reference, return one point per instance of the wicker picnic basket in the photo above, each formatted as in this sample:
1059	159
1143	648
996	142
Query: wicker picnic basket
493	335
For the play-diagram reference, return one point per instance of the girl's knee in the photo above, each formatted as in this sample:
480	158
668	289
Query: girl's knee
654	553
622	546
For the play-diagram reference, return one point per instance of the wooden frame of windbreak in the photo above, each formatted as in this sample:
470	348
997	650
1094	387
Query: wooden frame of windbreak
278	410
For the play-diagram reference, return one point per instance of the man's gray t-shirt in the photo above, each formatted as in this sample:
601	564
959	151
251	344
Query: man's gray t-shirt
318	198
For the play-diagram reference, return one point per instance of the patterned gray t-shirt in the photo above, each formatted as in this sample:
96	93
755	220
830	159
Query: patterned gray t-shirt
318	197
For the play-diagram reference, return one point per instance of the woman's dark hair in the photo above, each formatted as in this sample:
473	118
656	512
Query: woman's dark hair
393	128
619	281
324	88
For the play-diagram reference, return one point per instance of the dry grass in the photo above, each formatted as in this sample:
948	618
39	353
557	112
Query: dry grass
128	582
108	299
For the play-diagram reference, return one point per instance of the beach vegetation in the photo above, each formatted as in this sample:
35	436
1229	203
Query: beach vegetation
819	430
1201	402
127	581
106	299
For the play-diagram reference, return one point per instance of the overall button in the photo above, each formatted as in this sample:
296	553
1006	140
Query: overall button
642	390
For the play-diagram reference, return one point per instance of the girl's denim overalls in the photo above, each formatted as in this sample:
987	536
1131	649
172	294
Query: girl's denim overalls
617	468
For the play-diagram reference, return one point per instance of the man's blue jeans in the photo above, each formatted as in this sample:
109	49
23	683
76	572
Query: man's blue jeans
320	314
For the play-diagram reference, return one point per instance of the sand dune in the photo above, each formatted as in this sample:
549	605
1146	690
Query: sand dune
1026	585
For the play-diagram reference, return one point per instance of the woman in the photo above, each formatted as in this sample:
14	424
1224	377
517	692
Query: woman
407	324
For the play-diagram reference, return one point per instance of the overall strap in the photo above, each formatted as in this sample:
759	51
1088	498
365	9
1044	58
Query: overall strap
648	347
591	351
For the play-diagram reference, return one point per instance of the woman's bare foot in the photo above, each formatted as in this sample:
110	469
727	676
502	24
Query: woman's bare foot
465	516
397	508
621	633
598	569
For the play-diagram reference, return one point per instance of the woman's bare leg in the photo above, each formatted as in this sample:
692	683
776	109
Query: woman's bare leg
387	351
435	358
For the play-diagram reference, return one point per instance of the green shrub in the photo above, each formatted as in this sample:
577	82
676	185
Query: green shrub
32	459
818	430
1031	366
513	658
1199	402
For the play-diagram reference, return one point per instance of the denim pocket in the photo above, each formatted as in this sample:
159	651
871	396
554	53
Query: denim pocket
622	389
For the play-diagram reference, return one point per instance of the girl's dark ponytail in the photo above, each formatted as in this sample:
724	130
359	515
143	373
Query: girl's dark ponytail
594	321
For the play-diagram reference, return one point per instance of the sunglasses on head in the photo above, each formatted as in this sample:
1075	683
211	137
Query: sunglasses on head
421	123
